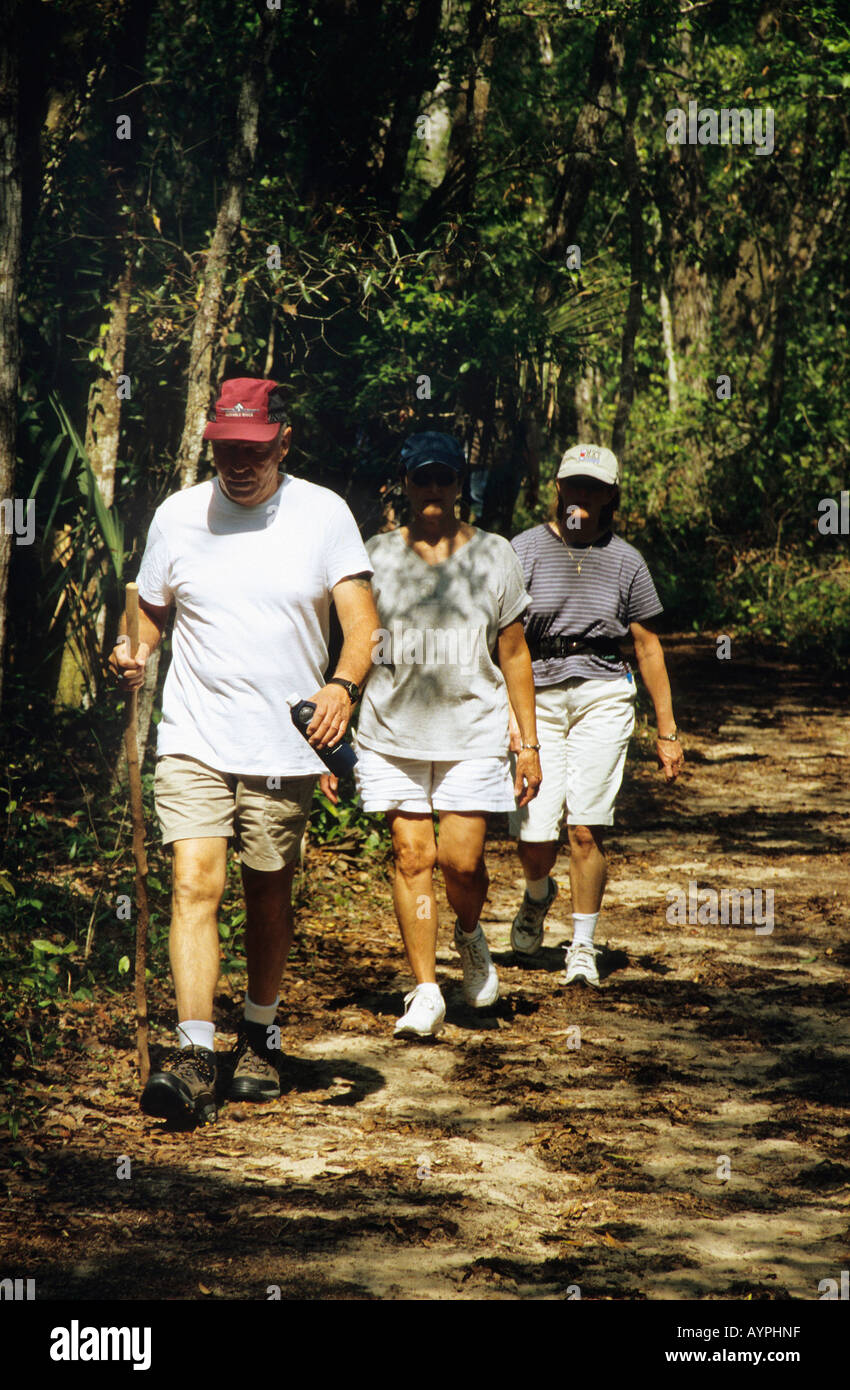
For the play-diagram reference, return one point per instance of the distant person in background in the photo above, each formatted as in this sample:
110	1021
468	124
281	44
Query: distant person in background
589	590
433	731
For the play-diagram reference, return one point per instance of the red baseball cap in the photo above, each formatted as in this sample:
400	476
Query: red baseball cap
242	411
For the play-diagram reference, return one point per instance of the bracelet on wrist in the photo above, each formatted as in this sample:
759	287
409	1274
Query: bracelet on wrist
534	747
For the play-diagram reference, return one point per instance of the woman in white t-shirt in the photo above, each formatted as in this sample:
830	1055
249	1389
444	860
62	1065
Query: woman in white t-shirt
433	730
590	589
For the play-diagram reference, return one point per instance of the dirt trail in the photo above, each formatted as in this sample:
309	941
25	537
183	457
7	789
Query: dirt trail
505	1161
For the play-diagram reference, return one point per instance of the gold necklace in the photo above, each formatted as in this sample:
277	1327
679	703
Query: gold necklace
569	549
585	551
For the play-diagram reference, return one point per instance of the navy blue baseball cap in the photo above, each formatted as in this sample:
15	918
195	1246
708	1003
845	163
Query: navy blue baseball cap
432	447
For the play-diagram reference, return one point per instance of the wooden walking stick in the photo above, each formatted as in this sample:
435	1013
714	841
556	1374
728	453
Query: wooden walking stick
131	743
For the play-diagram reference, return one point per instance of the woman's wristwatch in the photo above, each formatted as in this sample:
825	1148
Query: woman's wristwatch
670	738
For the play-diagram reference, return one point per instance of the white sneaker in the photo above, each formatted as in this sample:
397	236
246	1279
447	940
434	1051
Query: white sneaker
581	965
425	1010
527	928
480	981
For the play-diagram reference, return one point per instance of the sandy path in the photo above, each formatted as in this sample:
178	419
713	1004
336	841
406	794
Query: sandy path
563	1143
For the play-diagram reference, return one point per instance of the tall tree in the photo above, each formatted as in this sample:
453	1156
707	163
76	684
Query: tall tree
684	202
578	169
419	72
240	164
456	190
631	323
11	15
123	113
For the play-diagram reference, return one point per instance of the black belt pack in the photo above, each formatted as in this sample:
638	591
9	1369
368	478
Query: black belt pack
547	648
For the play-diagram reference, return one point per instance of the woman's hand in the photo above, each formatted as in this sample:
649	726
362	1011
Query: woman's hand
528	776
670	757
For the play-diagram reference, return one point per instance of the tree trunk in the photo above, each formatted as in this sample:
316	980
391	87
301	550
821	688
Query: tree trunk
516	452
240	164
631	168
123	95
423	34
683	217
456	189
586	403
669	349
10	269
103	424
577	172
803	238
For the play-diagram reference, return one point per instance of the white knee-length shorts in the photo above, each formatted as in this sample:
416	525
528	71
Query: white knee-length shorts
386	783
583	728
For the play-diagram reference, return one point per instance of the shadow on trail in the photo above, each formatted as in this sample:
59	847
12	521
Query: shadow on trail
170	1230
302	1075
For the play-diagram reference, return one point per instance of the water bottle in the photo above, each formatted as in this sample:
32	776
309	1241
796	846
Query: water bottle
339	759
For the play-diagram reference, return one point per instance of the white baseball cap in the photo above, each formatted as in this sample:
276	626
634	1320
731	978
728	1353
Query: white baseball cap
590	461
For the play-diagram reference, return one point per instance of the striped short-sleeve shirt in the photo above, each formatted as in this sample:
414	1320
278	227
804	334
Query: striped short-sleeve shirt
613	590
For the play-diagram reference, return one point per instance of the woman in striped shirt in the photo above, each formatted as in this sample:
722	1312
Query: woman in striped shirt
589	589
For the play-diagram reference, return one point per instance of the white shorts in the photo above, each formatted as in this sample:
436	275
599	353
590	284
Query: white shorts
410	784
583	728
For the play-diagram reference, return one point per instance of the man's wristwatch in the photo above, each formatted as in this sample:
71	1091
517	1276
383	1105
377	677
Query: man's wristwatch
670	738
353	690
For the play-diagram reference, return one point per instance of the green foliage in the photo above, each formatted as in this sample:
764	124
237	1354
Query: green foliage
348	823
443	272
108	521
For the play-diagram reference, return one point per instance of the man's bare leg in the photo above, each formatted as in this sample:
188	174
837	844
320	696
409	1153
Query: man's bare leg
268	929
200	871
185	1089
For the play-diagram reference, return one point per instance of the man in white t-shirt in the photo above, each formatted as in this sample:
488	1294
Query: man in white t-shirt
252	561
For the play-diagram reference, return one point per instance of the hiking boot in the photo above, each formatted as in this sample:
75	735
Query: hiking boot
256	1071
581	965
527	928
424	1013
480	981
183	1088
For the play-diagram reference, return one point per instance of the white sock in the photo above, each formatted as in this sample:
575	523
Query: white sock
537	888
196	1032
584	925
260	1013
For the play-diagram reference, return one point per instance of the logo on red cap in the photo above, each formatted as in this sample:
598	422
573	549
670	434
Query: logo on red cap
234	419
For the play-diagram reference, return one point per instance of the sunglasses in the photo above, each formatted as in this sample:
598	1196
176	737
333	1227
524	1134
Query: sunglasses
582	484
433	475
247	448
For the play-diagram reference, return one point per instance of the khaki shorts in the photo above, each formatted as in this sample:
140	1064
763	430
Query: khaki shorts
194	801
